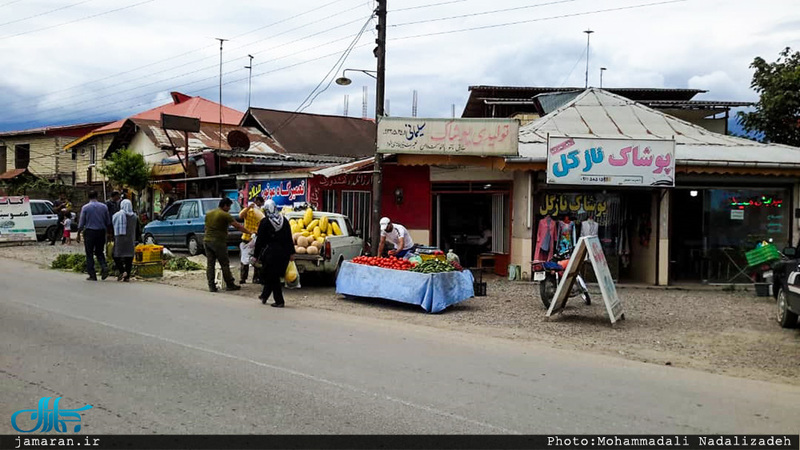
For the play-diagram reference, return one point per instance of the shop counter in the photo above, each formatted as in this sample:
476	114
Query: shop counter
432	291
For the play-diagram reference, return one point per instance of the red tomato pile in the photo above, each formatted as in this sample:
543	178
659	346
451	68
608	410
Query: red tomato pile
387	263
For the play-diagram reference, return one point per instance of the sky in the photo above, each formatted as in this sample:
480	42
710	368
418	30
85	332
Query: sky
79	61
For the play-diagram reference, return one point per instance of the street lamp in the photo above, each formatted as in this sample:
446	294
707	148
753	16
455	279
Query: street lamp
602	69
344	81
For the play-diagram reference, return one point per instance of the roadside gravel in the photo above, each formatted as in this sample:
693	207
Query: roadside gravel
732	333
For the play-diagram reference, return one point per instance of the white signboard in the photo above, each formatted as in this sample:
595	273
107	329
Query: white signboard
610	162
16	220
737	214
592	246
481	137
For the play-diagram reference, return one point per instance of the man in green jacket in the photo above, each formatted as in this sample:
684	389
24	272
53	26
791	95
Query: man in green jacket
216	243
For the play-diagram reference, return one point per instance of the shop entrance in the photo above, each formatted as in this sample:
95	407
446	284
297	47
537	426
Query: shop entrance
687	262
473	219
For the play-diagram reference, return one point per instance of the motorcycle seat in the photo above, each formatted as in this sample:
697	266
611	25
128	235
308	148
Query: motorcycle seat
549	265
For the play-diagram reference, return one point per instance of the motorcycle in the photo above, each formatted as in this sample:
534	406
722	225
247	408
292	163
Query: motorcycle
549	274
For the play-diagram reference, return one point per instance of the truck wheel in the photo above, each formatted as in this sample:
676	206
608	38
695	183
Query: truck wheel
332	278
547	290
786	318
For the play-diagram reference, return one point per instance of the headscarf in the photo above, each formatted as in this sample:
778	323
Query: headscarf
274	216
120	219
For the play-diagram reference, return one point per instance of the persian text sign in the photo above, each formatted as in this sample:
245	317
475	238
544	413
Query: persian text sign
16	220
610	162
282	192
481	137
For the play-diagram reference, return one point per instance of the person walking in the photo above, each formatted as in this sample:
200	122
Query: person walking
274	248
125	224
215	242
61	215
252	216
113	203
94	224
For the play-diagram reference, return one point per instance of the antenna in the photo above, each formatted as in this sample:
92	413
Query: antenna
346	105
588	35
414	104
364	94
221	41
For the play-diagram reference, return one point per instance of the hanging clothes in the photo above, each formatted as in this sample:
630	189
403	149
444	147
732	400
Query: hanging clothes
566	236
545	239
589	227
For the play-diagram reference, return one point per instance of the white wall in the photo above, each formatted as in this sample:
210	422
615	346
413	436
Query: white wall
468	174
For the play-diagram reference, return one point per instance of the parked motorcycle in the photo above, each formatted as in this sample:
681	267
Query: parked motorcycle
549	274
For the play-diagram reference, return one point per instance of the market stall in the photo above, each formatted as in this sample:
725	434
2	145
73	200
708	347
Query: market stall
434	292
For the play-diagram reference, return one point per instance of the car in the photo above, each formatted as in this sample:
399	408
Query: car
183	225
45	220
336	249
786	288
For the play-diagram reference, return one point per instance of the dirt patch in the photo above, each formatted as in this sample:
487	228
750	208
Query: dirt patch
732	333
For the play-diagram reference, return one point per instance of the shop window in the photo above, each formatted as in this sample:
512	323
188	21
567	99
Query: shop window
22	156
3	158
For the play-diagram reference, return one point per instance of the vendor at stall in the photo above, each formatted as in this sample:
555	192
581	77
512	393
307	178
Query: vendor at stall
398	236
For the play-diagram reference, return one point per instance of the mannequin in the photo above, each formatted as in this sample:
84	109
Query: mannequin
589	227
566	235
545	239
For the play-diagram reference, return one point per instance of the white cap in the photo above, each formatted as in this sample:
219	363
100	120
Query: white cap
384	223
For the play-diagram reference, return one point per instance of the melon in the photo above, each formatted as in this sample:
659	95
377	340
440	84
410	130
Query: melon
295	236
312	250
336	230
323	223
300	250
313	224
308	217
317	232
302	241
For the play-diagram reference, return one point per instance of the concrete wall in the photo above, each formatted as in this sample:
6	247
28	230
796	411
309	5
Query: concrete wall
522	221
469	174
663	241
643	267
43	154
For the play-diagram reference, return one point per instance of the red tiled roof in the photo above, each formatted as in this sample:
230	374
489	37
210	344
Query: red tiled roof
184	105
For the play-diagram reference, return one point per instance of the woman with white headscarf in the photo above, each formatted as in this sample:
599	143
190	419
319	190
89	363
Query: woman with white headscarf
125	223
274	248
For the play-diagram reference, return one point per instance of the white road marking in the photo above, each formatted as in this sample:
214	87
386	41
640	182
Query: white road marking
307	376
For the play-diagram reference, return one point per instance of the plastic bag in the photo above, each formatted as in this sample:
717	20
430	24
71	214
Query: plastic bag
292	276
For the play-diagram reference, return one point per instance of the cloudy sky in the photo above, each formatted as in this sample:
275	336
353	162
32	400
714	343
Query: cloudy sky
89	60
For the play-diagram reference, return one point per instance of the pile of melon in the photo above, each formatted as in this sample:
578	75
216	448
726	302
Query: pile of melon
309	234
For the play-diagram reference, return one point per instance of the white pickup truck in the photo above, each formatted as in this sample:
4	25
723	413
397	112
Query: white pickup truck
335	250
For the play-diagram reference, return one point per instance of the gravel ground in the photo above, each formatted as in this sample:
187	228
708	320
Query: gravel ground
732	333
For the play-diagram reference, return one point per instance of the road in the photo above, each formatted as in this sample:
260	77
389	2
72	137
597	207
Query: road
157	359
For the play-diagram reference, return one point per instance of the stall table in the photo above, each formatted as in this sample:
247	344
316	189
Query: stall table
432	291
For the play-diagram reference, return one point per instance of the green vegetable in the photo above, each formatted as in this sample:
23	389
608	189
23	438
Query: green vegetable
75	262
433	266
183	264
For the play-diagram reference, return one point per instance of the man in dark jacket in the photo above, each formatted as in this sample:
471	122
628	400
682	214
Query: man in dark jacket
94	225
113	203
274	248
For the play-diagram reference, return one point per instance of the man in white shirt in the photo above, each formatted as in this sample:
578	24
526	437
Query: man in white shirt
398	236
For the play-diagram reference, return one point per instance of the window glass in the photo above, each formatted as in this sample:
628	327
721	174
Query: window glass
188	211
172	212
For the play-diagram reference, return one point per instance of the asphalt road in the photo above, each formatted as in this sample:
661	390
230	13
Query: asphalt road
156	359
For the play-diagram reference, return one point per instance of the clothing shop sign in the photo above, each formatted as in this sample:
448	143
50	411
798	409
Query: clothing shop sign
610	162
16	220
588	245
475	137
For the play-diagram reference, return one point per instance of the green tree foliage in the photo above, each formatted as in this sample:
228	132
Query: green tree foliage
127	168
777	113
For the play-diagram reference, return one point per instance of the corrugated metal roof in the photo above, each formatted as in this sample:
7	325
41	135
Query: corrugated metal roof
53	130
316	134
345	168
596	113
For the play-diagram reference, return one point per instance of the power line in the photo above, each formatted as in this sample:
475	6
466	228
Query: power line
427	6
44	13
483	13
519	22
10	3
580	57
171	57
76	20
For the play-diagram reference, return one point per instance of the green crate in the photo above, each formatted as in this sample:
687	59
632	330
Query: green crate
149	270
761	255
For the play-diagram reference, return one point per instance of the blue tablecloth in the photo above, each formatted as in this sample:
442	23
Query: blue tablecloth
433	291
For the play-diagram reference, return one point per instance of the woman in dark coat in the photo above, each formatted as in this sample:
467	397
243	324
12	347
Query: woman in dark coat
274	248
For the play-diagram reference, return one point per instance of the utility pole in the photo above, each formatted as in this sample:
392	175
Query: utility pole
377	191
249	81
220	91
588	35
602	69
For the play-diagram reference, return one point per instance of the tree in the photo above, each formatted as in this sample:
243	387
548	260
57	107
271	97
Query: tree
127	169
777	113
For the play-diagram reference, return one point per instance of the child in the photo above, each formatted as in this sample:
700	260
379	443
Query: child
67	239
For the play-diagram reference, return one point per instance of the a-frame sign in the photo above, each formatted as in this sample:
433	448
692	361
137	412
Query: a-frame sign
588	245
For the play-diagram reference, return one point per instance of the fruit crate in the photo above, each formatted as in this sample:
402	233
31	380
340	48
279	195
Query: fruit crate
146	253
761	255
149	270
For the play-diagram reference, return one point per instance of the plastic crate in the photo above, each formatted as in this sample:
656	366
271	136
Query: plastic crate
479	288
762	255
146	253
149	270
763	289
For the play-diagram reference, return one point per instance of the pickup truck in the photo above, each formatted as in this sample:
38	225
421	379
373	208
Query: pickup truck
335	250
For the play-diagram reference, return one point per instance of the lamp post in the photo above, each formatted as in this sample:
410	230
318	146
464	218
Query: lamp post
380	77
588	35
249	80
602	69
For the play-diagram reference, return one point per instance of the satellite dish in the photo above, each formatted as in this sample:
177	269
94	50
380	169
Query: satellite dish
238	140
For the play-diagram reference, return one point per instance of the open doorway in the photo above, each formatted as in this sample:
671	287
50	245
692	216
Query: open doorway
686	237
